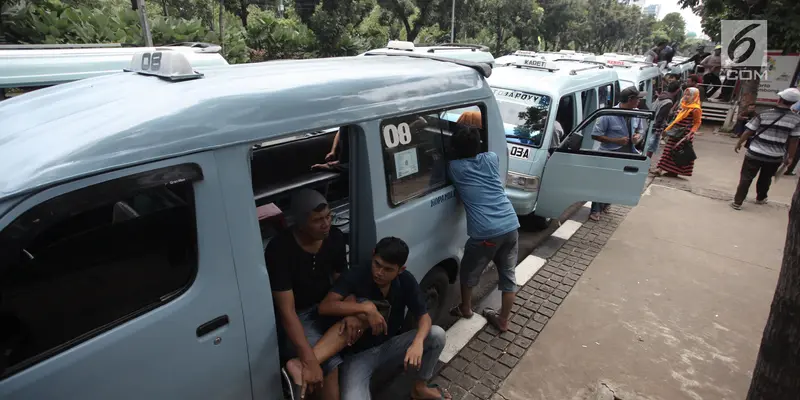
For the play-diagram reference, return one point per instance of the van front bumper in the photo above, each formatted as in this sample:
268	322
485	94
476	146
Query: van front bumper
524	202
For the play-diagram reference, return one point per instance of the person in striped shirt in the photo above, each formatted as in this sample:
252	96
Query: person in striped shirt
775	134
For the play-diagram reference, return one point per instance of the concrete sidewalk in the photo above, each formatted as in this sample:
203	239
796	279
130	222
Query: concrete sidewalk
674	305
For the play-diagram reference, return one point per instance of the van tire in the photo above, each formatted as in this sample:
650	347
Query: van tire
435	287
533	223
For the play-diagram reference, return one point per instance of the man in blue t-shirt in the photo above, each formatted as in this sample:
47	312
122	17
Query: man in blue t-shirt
491	224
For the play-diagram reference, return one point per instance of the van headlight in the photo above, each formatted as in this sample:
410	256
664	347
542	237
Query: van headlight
521	181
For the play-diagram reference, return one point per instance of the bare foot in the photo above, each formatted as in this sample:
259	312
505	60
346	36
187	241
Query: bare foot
432	391
295	369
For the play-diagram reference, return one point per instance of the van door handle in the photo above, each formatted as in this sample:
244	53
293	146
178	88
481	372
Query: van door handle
212	325
631	169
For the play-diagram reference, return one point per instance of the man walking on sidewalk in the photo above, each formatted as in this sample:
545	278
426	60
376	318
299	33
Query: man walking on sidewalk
491	224
775	133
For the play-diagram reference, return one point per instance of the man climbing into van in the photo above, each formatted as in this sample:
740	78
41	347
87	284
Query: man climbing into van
491	224
384	290
617	134
302	263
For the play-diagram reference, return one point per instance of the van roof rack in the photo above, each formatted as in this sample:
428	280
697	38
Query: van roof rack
463	45
59	46
482	68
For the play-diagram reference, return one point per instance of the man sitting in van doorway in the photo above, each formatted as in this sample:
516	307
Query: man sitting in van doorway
384	291
491	224
617	134
302	263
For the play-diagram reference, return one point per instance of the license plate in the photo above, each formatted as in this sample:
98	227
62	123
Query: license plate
521	152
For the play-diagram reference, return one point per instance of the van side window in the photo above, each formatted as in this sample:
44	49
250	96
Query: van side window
416	149
84	262
605	96
566	112
589	102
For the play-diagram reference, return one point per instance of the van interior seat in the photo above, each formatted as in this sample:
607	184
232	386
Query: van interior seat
283	168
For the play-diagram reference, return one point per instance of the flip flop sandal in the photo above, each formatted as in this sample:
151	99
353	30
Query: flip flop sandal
442	392
456	312
493	317
294	389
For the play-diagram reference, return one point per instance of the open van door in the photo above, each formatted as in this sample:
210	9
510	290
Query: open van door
578	171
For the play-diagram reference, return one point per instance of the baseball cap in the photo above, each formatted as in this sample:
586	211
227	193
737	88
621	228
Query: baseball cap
791	95
631	91
304	202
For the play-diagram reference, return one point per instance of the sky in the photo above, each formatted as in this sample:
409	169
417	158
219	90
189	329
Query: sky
668	6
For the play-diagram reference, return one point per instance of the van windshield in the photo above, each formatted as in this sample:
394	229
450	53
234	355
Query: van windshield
524	116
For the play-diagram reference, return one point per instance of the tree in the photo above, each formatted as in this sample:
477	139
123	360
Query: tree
777	372
675	27
556	17
414	15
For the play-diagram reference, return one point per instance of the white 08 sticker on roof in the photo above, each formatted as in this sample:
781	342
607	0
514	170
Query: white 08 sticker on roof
394	135
521	152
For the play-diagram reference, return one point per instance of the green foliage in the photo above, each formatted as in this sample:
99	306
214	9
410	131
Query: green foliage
674	27
270	37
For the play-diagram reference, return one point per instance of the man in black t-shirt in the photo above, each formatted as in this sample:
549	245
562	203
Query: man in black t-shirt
303	262
384	292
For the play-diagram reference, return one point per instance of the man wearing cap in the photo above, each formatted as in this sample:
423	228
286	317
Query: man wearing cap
775	133
303	262
712	67
618	134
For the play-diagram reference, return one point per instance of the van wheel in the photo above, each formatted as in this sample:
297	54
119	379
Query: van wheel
435	287
533	223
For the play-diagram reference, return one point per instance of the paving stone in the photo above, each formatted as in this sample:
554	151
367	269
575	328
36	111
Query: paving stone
529	333
565	288
485	336
524	295
514	328
468	354
557	257
523	315
542	294
519	301
515	308
500	371
515	351
457	392
547	289
560	293
490	329
459	363
470	396
551	283
580	267
497	396
539	278
490	352
528	288
560	272
544	274
556	278
555	299
569	281
482	391
492	382
533	286
523	342
550	305
546	311
508	335
509	360
536	326
541	318
500	344
549	267
475	371
465	381
450	373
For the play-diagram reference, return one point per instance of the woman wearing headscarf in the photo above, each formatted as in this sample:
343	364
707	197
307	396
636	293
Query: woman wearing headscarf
688	120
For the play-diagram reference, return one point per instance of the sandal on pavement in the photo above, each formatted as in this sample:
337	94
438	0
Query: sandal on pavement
442	393
594	216
294	389
456	312
493	317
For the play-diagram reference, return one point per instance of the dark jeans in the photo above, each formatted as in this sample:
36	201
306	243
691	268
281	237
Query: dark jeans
751	168
713	82
598	207
740	127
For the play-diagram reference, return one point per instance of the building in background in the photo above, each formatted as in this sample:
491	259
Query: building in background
652	10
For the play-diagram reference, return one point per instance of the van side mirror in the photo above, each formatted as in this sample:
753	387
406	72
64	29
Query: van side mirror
573	142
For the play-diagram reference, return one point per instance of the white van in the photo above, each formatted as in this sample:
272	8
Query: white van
645	76
29	67
466	52
534	96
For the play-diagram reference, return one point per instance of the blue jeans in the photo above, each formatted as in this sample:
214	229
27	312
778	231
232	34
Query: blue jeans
598	207
356	372
652	142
